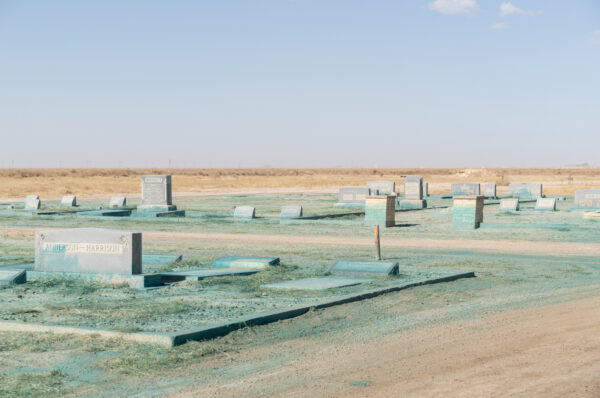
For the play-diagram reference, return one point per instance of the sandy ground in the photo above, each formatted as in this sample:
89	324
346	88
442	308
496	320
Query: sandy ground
551	351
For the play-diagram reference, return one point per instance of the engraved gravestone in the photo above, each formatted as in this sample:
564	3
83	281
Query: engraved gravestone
413	193
88	250
525	190
69	201
156	195
291	211
353	194
247	212
509	204
588	199
489	190
32	202
545	204
382	187
465	189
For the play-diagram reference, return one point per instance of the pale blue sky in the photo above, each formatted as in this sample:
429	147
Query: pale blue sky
299	83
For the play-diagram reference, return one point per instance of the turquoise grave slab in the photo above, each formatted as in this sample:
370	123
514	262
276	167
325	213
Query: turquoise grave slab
346	267
12	276
328	282
245	262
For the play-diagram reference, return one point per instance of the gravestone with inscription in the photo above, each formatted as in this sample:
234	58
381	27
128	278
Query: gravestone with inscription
489	190
352	196
588	199
509	204
32	202
413	193
290	211
546	204
382	187
88	250
117	201
525	190
467	212
69	201
465	189
157	198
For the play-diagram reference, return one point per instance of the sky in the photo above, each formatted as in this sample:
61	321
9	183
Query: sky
299	83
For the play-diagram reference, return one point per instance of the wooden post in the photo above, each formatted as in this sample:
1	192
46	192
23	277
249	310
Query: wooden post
377	246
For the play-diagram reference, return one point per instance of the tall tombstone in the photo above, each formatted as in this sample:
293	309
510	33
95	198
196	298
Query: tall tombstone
156	194
413	193
545	204
525	190
88	250
380	210
489	190
467	212
588	199
69	201
382	187
465	189
32	202
353	195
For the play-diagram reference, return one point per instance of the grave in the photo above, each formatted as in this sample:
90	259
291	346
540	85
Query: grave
588	199
32	202
413	193
245	212
352	196
425	189
245	262
157	199
69	201
525	190
362	267
380	210
12	276
200	274
117	201
290	211
509	204
467	212
324	283
382	187
489	191
546	204
105	213
465	189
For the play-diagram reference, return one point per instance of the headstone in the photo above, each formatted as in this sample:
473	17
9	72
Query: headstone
88	250
328	282
525	190
69	200
290	211
12	276
465	189
117	201
588	199
382	187
32	202
247	212
489	190
354	195
546	204
156	194
425	189
467	212
380	210
245	262
353	267
413	187
509	204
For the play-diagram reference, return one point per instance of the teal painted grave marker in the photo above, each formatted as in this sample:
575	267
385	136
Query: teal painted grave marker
380	210
467	212
12	276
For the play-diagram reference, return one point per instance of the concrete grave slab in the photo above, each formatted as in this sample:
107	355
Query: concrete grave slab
245	262
290	211
324	283
12	276
88	250
245	212
362	267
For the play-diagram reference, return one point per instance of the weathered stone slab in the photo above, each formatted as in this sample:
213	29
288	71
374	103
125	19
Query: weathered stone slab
588	199
245	262
467	212
12	276
363	267
32	202
117	201
200	274
489	190
413	188
88	250
69	200
247	212
317	283
465	189
525	190
291	211
511	204
382	187
353	194
546	204
380	210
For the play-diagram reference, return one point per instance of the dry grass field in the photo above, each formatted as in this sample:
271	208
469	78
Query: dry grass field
52	183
